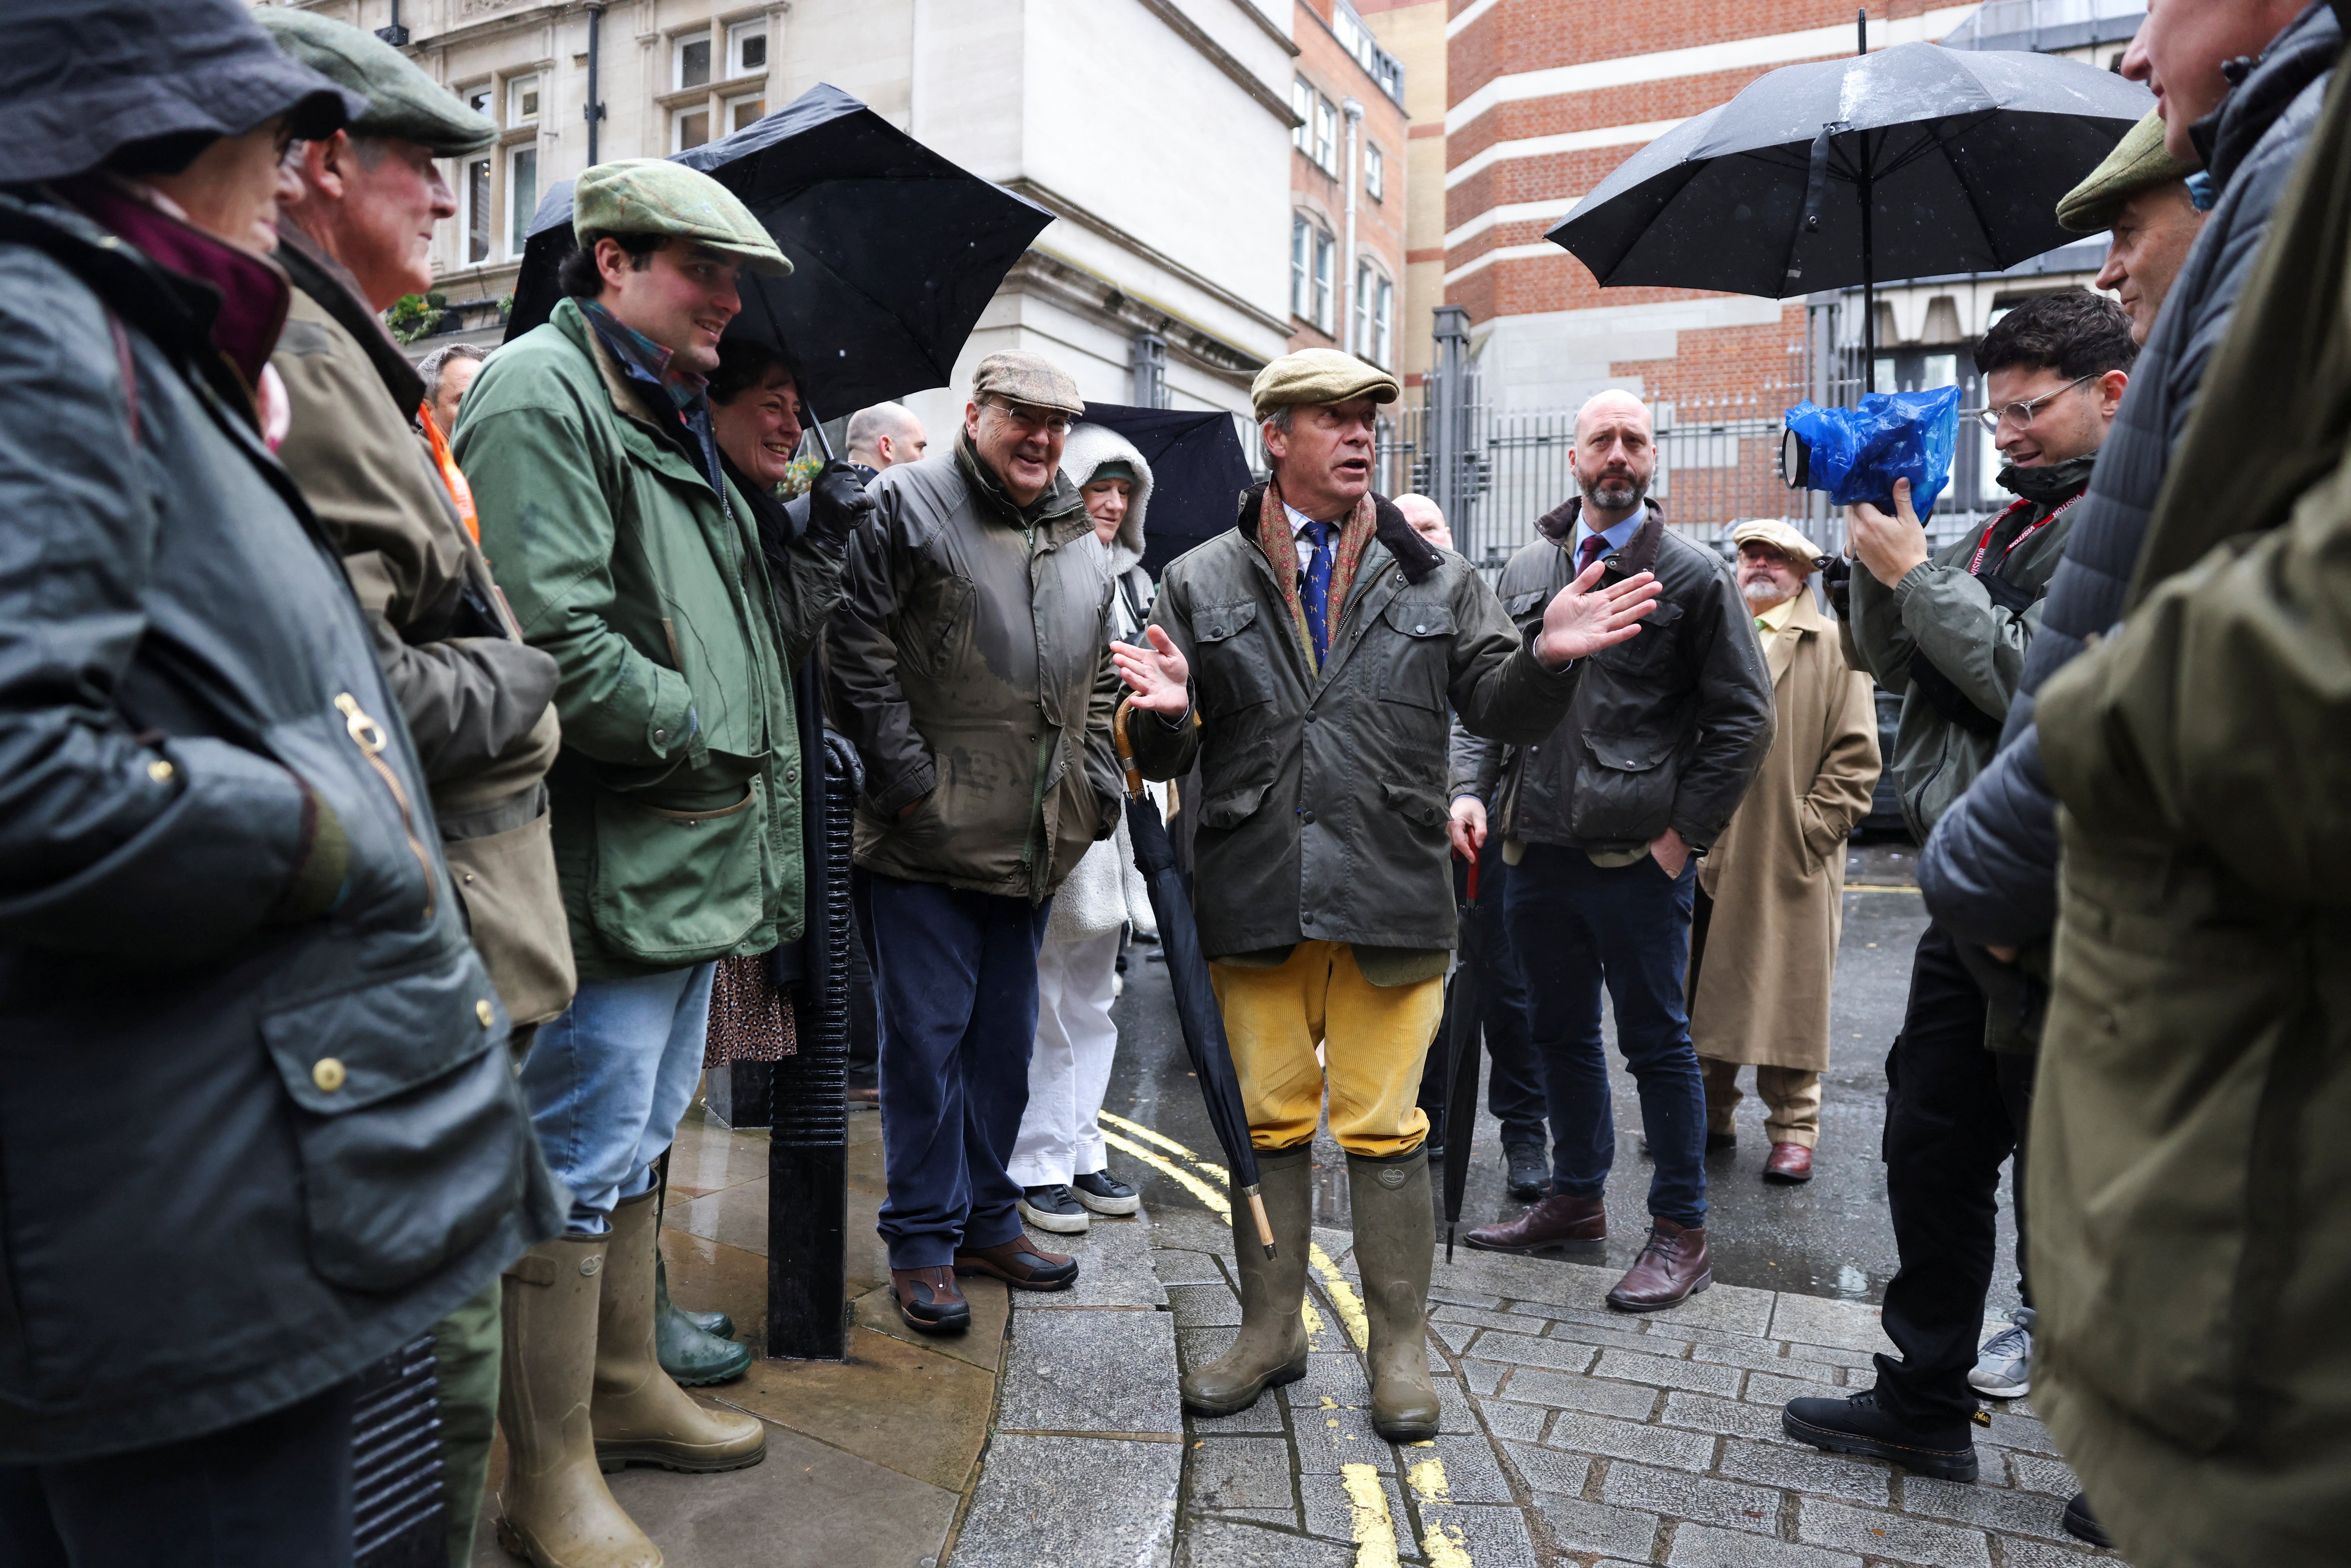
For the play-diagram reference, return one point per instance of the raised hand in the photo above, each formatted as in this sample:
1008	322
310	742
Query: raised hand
1581	618
1157	675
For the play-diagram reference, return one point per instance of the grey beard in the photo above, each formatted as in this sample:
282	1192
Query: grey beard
1620	497
1763	596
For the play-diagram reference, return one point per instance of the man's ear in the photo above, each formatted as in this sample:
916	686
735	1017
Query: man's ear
326	164
2110	387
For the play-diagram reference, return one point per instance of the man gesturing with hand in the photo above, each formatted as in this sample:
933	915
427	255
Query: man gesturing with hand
1309	659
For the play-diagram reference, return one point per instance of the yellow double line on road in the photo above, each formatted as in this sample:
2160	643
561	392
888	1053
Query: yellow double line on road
1373	1524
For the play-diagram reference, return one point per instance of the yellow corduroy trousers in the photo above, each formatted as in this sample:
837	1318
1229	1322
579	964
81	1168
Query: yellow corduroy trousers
1374	1039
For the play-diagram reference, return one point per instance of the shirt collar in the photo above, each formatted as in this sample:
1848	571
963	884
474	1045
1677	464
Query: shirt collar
1777	616
1617	537
644	359
1297	519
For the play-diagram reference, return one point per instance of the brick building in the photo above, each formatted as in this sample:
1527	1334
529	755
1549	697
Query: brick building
1347	177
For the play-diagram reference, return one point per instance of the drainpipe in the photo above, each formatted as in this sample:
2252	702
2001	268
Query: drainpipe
395	35
1354	113
595	109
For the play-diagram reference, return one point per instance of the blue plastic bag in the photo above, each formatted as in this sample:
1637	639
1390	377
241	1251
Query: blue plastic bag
1856	454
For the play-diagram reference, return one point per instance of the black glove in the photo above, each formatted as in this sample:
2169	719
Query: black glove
1837	582
838	503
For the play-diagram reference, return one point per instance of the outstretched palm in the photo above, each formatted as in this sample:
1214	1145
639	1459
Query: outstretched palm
1582	620
1158	675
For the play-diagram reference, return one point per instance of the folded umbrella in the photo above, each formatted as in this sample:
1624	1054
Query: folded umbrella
1461	1048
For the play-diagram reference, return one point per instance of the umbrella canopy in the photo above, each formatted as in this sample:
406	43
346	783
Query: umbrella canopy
1911	162
895	250
1197	474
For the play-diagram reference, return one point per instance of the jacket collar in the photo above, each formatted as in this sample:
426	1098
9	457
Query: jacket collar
1640	551
330	284
1414	555
1804	620
2264	86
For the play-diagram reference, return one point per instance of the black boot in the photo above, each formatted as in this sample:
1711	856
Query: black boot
1529	1175
2082	1524
1861	1426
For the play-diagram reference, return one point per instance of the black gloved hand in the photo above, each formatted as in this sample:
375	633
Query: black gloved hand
838	503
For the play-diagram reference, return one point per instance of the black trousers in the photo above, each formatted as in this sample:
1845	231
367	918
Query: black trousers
275	1491
1954	1110
1514	1089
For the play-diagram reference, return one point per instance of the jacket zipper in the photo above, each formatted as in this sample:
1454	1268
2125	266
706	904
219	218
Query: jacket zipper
368	736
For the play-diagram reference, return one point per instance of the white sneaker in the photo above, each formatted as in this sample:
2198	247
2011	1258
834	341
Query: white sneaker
2004	1369
1052	1208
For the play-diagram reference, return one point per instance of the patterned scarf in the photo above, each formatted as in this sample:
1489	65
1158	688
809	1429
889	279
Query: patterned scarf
1280	547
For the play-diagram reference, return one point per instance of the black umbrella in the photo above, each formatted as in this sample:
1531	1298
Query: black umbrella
1909	163
895	250
1466	1008
1188	975
1197	474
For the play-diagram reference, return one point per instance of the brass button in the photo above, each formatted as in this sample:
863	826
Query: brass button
159	771
482	1011
327	1075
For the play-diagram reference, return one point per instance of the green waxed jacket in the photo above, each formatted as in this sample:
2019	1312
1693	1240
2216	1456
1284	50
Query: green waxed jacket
676	797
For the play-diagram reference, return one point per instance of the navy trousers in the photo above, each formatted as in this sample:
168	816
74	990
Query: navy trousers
1514	1092
955	977
1578	927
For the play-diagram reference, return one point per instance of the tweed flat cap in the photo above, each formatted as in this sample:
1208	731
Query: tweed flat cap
1781	536
1031	379
403	101
1319	376
656	196
2139	162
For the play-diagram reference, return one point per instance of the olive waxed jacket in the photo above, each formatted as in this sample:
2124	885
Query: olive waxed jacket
1323	806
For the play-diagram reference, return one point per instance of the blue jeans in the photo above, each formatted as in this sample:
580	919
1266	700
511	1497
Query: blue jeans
955	974
608	1080
1578	926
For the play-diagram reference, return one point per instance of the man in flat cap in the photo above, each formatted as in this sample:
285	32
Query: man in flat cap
355	235
2140	195
627	554
1770	892
1308	660
967	664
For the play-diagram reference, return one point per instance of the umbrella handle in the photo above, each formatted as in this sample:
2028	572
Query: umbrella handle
1125	751
1473	879
1264	1225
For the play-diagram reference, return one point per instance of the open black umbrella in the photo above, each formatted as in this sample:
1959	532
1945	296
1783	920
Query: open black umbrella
895	250
1197	474
1187	976
1908	163
1466	1008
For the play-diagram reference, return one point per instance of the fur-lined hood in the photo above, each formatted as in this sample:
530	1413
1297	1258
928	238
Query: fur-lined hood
1090	446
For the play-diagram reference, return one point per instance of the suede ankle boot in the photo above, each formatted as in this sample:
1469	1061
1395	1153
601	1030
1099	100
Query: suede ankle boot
640	1415
554	1509
1395	1240
1270	1349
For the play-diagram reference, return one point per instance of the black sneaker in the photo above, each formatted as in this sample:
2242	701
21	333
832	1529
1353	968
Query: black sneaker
1105	1194
1053	1209
2082	1524
1859	1425
1530	1172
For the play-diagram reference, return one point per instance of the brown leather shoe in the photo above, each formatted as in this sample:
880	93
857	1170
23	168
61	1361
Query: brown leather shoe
1020	1264
930	1300
1790	1163
1554	1222
1670	1269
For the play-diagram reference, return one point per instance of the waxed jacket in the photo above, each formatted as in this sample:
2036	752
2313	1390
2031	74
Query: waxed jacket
969	663
258	1129
676	797
1322	803
1669	727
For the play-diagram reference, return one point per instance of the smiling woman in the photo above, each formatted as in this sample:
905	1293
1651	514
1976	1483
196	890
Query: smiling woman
755	409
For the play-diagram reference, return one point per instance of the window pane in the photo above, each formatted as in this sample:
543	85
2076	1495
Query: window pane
478	209
750	52
694	65
1360	307
1384	322
1299	240
693	130
1942	370
478	100
522	195
1326	252
522	100
744	112
1326	134
1301	103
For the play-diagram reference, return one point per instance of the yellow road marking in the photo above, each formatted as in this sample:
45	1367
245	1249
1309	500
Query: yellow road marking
1169	1168
1368	1503
1149	1136
1443	1544
1343	1300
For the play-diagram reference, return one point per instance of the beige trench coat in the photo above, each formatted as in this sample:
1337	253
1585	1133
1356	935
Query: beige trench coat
1777	876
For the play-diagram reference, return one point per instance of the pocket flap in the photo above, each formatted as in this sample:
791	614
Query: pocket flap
1521	605
1414	805
347	1052
1232	808
1419	618
1216	623
1628	753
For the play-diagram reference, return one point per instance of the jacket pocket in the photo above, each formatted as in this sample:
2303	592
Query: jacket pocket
1418	807
678	887
1623	790
1232	808
1228	665
516	910
411	1131
1418	659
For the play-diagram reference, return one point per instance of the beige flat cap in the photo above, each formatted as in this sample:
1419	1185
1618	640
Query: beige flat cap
2139	162
1031	379
1780	537
1319	376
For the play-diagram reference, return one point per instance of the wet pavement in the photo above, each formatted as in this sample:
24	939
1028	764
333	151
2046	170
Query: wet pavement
1828	1238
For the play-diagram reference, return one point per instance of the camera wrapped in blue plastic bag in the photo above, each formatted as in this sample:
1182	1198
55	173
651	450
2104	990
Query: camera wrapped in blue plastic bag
1856	454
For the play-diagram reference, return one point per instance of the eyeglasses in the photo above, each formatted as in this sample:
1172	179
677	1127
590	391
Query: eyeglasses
1021	414
2024	414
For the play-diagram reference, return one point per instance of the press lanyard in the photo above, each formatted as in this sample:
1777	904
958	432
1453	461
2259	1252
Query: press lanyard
1984	543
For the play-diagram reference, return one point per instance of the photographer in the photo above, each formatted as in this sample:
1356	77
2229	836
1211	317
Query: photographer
1949	634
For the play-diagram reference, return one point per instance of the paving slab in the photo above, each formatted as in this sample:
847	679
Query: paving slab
1529	1350
1548	1470
1331	1515
1992	1508
1704	1413
1580	1433
1484	1537
1216	1543
1738	1308
1454	1469
1696	1546
1328	1437
2016	1553
1091	1371
1114	1266
1525	1422
1573	1391
905	1408
1582	1526
981	1345
1808	1469
1204	1306
1228	1473
1667	1372
1729	1505
1820	1320
1041	1503
1895	1535
2030	1472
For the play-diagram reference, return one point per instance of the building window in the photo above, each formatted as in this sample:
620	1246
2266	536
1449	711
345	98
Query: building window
522	102
1326	135
688	128
1384	325
1301	265
478	209
747	50
1301	104
522	195
1376	172
1373	307
1326	260
744	112
692	56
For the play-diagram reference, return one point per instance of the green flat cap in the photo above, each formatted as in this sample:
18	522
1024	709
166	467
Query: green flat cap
1319	376
403	101
1031	379
2139	162
655	196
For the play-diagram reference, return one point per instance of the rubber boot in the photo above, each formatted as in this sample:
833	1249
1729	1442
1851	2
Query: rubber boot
694	1354
554	1509
1395	1238
1270	1349
718	1324
641	1417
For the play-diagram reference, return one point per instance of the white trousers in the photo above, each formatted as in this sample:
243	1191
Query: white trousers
1069	1069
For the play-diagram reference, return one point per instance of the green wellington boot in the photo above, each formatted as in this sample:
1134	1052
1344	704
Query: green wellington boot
1395	1238
1270	1349
694	1347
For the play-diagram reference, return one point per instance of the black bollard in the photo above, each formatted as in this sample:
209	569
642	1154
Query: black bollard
807	1138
